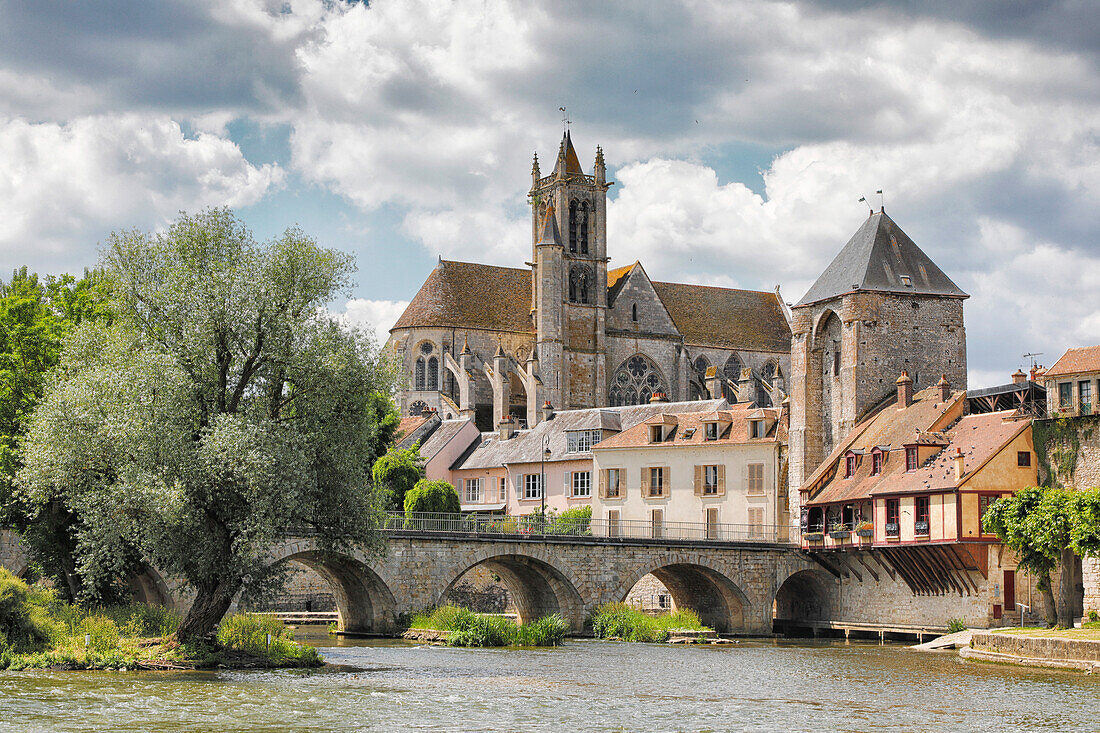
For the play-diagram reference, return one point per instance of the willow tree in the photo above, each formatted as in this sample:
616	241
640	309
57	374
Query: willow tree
224	410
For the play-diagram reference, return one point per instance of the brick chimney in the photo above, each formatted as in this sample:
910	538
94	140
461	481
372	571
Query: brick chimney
547	411
1018	377
959	466
944	388
905	390
658	397
507	427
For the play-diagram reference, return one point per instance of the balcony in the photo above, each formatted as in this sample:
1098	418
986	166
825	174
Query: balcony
893	530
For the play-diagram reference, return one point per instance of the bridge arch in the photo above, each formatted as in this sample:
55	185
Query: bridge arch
538	587
148	586
364	601
695	584
805	595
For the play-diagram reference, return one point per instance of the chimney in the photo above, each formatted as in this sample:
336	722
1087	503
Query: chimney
1018	377
958	465
547	411
944	388
507	427
905	390
658	397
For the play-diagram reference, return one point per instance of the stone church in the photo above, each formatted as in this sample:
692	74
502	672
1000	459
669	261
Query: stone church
485	342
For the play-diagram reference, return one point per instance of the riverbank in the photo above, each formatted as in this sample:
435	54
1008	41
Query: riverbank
1077	649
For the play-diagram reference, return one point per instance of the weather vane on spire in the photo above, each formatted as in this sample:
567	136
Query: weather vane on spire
564	120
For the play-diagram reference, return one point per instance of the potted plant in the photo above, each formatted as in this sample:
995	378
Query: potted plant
839	531
814	536
865	529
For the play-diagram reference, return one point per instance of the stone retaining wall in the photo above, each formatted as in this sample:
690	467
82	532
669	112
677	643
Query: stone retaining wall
1038	647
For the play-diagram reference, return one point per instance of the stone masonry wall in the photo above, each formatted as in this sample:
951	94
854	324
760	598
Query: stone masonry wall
12	556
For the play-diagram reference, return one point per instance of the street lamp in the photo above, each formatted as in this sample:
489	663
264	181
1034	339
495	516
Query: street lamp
542	479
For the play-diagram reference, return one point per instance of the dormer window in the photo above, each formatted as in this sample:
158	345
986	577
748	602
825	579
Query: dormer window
850	466
712	431
907	281
876	462
911	458
756	429
656	433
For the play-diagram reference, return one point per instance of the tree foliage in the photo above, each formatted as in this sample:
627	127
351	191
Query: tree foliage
397	472
225	410
437	497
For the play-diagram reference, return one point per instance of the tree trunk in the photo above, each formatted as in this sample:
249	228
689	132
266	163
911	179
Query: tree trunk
1050	606
211	602
1067	586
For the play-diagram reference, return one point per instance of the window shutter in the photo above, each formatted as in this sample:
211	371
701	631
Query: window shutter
603	483
666	485
721	479
645	481
745	478
567	483
700	479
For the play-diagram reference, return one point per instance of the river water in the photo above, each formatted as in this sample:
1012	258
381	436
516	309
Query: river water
584	685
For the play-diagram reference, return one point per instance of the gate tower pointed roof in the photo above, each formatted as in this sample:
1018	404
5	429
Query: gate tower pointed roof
568	162
881	257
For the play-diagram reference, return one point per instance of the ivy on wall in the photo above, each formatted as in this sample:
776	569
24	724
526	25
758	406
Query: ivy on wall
1057	445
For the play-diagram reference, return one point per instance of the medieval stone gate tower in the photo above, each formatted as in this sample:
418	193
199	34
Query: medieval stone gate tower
880	308
569	283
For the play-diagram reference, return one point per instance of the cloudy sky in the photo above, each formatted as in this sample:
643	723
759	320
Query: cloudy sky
740	135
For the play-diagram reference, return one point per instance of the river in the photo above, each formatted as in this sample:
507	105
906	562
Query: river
585	685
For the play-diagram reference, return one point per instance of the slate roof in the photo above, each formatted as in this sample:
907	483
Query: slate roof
1076	361
471	295
526	446
688	429
443	435
749	320
875	258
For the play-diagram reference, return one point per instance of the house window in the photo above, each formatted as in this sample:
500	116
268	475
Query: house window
710	480
581	441
532	486
756	428
503	495
582	484
1065	395
920	522
892	514
983	506
712	431
849	466
1023	458
756	479
756	524
876	463
613	483
910	458
657	523
656	433
473	491
657	482
1084	397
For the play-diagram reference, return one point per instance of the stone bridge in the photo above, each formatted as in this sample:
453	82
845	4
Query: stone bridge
733	586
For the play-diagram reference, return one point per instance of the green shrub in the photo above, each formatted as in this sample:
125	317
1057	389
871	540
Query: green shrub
247	632
955	625
102	633
467	628
622	621
547	631
483	630
435	497
397	472
1094	616
25	623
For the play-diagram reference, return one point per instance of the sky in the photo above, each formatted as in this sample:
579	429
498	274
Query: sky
740	136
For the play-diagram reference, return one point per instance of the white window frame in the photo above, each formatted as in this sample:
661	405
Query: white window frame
472	492
503	495
710	480
581	441
711	432
613	486
532	486
582	485
656	488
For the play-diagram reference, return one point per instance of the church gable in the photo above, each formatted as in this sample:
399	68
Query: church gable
634	306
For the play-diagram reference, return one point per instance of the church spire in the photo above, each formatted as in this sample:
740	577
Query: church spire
568	163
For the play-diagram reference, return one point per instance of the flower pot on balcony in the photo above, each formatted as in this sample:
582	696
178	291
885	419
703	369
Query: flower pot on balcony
814	536
920	528
868	532
840	534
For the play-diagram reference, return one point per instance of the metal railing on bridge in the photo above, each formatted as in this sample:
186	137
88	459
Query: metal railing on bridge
539	527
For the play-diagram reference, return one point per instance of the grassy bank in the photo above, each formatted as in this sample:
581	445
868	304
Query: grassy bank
466	628
39	631
622	622
1089	632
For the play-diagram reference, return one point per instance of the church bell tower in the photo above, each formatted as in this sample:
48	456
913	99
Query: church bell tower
569	278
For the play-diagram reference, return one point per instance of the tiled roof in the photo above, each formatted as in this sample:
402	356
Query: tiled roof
890	427
979	437
876	258
689	429
751	320
407	425
1076	361
526	446
443	435
471	295
616	278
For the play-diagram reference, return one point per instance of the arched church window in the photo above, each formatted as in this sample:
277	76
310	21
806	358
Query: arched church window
433	374
418	375
417	408
584	228
635	381
731	370
573	226
634	312
580	284
700	366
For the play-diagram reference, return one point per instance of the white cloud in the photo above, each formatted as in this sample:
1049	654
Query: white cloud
59	183
375	316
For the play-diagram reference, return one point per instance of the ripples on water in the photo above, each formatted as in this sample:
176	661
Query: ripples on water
582	686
